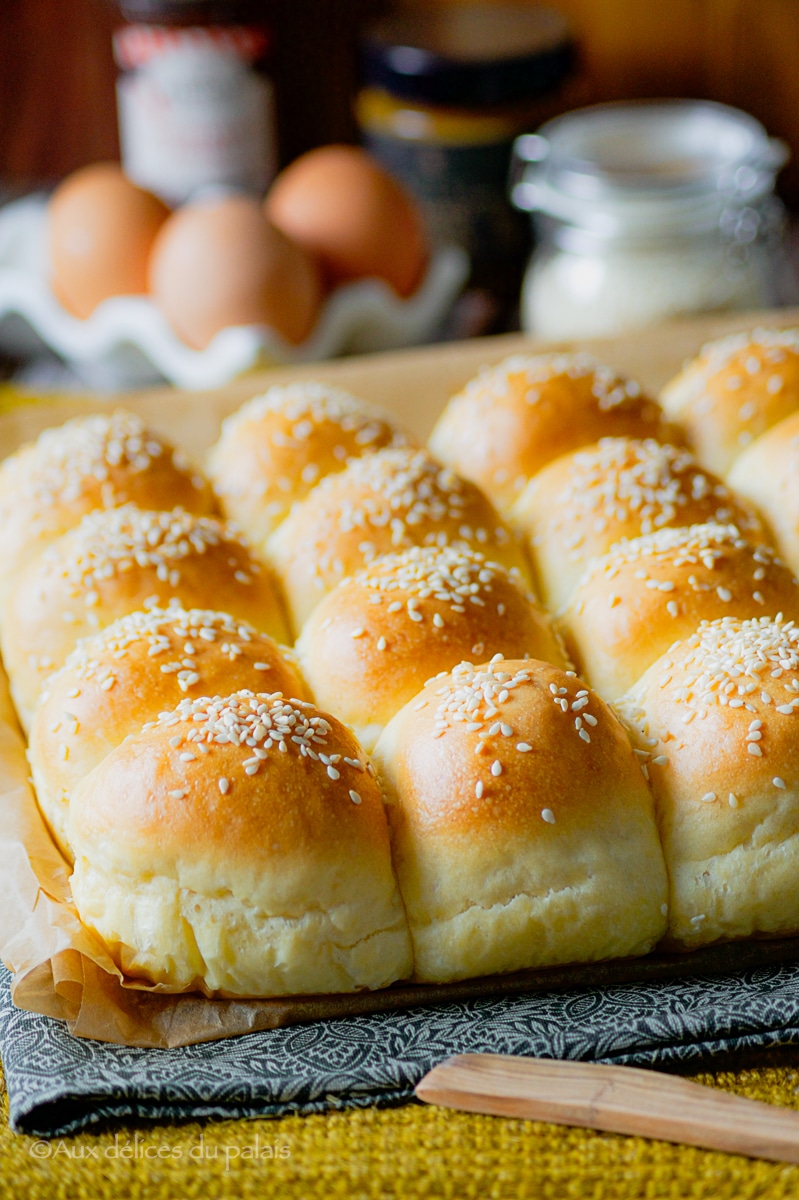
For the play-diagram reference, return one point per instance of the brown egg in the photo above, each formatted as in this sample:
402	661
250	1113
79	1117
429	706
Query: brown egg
101	229
219	262
340	205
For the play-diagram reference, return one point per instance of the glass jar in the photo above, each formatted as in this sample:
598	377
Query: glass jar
447	89
194	98
647	211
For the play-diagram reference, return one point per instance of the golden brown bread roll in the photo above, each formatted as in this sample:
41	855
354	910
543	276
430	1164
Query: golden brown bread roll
371	643
736	389
767	474
516	417
260	867
583	503
101	461
522	829
279	445
117	680
380	504
645	594
716	722
114	563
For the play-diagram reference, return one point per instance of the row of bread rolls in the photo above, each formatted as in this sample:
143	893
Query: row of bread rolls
480	840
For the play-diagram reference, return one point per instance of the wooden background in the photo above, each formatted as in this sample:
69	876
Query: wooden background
57	75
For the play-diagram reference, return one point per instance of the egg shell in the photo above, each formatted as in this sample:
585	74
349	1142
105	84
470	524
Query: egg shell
219	262
338	203
101	229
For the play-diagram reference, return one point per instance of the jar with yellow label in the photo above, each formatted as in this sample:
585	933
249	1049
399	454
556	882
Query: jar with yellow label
446	91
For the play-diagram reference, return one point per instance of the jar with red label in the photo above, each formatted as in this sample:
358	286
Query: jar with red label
195	101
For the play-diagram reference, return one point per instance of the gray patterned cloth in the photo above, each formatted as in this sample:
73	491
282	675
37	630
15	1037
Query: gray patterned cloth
59	1084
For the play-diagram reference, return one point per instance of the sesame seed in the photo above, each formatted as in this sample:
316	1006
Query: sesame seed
478	789
753	748
548	815
355	797
523	747
709	797
178	793
496	767
778	783
732	800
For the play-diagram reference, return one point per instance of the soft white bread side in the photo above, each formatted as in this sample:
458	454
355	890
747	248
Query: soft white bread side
101	461
257	866
733	391
646	593
716	722
119	679
583	503
522	827
381	504
279	445
767	474
115	563
514	418
374	641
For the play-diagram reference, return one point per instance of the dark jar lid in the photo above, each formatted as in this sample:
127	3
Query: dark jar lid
191	12
468	55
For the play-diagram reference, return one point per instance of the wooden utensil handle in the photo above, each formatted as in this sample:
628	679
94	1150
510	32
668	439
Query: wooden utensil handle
615	1099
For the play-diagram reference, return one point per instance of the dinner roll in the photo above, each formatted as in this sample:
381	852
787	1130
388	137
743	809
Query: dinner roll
516	417
717	718
114	563
767	473
522	828
383	503
633	603
277	446
117	680
371	643
88	463
260	867
583	503
736	389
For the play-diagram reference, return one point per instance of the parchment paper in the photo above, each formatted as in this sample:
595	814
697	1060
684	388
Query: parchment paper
60	969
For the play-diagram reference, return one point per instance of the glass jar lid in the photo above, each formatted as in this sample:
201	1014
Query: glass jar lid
627	169
470	55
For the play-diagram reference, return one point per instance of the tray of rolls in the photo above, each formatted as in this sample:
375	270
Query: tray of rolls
438	674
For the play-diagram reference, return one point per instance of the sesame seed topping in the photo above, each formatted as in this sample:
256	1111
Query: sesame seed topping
548	815
355	797
778	783
496	767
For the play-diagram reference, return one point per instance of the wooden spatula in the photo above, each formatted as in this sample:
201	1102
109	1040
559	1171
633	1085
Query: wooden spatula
615	1099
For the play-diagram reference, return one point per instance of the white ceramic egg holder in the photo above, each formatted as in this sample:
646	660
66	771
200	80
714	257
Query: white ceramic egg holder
126	342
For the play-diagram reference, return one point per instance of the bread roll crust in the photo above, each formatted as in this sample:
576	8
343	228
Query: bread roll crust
382	504
647	593
374	641
523	830
119	679
583	503
279	445
100	461
766	474
116	562
736	389
514	418
715	722
260	867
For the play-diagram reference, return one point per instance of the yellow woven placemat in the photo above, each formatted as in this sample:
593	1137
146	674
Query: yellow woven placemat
410	1152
